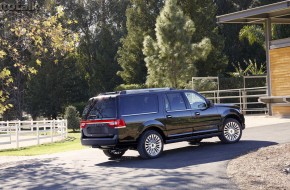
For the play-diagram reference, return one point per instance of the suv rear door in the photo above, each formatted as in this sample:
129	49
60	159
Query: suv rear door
178	119
205	118
96	116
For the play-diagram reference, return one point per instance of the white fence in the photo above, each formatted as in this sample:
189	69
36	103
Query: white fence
246	98
26	133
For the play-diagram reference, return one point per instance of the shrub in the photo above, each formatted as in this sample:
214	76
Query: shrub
72	116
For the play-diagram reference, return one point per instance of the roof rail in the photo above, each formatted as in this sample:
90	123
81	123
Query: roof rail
135	91
110	93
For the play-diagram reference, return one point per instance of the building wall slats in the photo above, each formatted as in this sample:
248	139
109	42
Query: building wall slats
280	77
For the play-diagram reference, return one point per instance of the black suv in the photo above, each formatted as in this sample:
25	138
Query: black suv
146	119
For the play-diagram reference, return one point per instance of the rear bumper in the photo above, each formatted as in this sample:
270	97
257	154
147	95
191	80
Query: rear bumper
99	142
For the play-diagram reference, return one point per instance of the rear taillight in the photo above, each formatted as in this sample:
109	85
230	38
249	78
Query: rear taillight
83	125
118	123
114	123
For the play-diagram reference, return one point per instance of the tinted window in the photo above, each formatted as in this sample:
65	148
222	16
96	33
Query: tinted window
139	104
175	101
196	101
103	108
87	108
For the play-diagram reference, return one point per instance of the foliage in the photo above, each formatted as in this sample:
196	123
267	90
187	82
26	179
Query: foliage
237	51
204	85
129	87
141	16
254	69
254	34
102	24
251	69
202	14
6	80
170	58
54	87
26	39
73	118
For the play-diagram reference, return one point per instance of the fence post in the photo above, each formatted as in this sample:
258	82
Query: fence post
9	128
37	133
240	94
32	127
17	130
245	107
51	134
44	126
65	121
62	129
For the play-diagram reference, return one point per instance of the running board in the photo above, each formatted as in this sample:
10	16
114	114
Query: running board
193	137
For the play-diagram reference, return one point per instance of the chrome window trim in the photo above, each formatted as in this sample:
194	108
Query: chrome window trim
170	111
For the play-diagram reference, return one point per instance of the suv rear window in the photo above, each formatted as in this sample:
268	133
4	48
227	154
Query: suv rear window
139	104
102	108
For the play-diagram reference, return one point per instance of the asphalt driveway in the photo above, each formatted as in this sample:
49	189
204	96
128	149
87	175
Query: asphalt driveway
181	166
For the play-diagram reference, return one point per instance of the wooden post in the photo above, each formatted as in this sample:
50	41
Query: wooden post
8	126
245	106
268	38
65	121
51	134
32	126
17	130
37	133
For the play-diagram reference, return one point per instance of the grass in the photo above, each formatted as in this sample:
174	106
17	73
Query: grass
72	142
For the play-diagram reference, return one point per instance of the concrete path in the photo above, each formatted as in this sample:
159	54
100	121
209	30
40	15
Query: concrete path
180	167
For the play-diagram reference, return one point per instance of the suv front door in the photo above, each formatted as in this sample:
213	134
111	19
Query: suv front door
205	118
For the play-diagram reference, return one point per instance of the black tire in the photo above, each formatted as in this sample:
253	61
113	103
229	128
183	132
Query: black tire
194	141
114	154
150	145
231	131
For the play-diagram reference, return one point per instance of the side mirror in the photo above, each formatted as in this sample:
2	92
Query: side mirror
209	103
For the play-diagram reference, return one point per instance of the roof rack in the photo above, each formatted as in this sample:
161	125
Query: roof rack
110	93
135	91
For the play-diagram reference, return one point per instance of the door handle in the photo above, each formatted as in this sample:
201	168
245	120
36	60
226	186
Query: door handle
169	116
197	113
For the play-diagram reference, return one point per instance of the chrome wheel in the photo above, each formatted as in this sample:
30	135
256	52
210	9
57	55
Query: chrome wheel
153	145
232	131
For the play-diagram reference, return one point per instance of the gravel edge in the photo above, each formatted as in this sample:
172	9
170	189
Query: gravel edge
267	168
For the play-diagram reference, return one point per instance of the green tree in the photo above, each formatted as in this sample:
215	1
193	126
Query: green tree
73	118
26	39
170	58
237	51
141	16
202	13
254	34
102	24
54	87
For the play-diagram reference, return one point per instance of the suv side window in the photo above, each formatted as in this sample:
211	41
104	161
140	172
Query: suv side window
174	102
196	101
139	104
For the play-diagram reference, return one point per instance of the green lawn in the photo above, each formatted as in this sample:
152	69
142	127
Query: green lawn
72	142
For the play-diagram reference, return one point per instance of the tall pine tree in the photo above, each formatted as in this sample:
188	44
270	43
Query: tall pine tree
141	17
203	14
170	58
